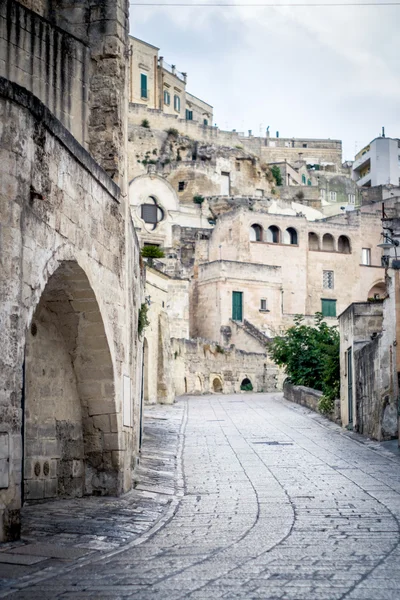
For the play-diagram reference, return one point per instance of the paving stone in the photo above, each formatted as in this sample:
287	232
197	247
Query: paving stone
20	559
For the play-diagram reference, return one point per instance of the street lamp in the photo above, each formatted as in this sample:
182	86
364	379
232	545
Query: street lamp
387	244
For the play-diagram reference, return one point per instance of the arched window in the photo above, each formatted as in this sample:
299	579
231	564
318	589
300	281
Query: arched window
313	241
290	236
344	244
273	234
378	291
328	242
246	385
256	232
151	213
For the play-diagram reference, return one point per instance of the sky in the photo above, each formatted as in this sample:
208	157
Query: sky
318	72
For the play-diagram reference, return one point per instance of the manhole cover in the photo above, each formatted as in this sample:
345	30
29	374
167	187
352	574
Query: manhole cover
275	443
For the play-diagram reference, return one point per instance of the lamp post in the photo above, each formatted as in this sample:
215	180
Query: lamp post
387	244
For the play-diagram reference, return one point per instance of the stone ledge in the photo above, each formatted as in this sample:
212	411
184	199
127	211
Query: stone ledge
15	93
309	397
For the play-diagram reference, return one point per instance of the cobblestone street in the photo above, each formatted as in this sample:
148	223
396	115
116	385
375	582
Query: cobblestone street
268	500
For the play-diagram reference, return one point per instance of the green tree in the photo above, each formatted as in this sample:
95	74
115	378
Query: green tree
152	252
276	172
310	355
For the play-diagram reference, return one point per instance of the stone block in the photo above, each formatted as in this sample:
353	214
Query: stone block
50	488
100	407
111	442
34	489
102	422
78	468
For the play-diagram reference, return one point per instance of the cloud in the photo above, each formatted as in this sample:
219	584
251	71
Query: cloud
316	72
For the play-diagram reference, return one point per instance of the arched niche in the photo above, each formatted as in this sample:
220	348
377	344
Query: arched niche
273	234
256	233
70	415
328	242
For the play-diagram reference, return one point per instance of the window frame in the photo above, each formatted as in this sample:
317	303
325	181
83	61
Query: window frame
329	276
265	307
332	196
235	314
167	98
368	253
144	91
177	103
331	303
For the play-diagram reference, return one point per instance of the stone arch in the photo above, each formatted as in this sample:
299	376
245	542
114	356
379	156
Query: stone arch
313	241
145	370
71	439
185	383
217	385
246	385
328	242
198	384
256	233
273	234
344	245
378	291
290	236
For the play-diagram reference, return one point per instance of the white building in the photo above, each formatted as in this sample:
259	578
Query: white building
378	163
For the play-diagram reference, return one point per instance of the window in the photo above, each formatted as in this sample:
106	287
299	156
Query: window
303	179
237	306
328	307
237	165
225	184
177	103
259	193
304	145
332	196
263	304
181	186
328	280
189	115
167	98
352	198
143	85
366	256
205	121
256	233
309	182
151	213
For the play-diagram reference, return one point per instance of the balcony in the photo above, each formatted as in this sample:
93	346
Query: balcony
364	181
362	161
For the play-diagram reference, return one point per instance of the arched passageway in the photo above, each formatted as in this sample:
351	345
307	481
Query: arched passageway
217	385
70	421
246	385
378	291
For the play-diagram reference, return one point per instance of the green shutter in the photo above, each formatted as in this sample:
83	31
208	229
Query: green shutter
143	85
328	307
237	306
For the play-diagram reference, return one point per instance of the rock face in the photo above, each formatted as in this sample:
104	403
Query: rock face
70	281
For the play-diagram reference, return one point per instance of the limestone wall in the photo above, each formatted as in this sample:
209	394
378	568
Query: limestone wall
308	397
201	366
50	62
63	247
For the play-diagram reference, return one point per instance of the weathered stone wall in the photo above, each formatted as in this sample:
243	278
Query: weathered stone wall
63	245
73	57
310	398
198	363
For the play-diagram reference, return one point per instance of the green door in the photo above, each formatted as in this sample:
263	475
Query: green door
350	386
237	306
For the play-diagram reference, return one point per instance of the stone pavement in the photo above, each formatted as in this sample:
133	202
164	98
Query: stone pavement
270	501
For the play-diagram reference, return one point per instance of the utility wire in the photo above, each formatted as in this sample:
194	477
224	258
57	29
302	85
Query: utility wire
269	4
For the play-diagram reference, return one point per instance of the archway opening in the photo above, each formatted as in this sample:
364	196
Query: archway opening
273	234
344	244
70	421
256	233
246	385
185	383
290	236
328	242
199	384
313	241
217	385
378	291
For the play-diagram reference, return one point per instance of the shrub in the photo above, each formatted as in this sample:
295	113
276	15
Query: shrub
143	321
219	349
300	195
198	199
152	252
246	387
277	175
173	132
310	356
145	123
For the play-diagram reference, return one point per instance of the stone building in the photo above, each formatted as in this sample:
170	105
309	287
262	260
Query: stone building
369	334
155	84
70	277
